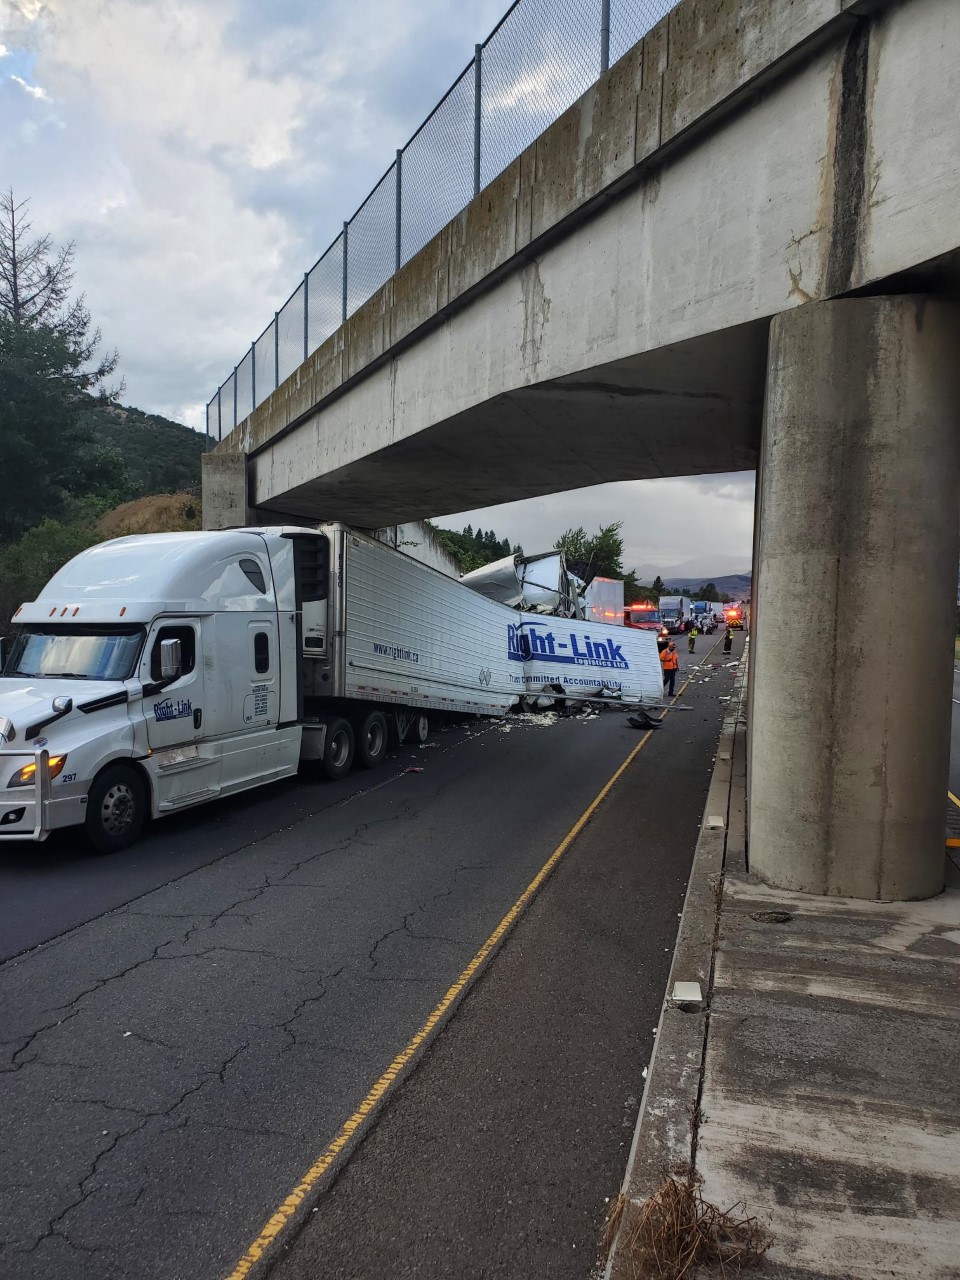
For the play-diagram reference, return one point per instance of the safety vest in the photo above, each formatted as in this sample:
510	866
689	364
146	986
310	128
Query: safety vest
670	660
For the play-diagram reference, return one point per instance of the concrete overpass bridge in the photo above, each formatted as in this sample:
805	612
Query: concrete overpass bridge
739	249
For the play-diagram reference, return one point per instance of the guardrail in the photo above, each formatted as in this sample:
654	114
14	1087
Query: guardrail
539	58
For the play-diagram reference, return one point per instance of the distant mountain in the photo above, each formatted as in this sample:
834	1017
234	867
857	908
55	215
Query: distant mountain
702	569
735	585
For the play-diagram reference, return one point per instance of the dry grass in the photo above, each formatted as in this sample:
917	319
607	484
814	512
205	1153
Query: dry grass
160	513
676	1232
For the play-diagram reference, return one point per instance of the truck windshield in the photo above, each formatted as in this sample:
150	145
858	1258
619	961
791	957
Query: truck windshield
79	653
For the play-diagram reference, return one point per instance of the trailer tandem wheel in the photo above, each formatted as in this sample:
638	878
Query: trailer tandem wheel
338	749
371	739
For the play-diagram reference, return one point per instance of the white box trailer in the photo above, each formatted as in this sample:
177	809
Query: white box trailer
603	601
154	673
394	631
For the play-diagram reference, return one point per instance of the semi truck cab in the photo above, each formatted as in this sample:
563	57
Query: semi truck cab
146	679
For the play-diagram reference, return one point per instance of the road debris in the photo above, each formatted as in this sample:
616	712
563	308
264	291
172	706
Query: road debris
676	1232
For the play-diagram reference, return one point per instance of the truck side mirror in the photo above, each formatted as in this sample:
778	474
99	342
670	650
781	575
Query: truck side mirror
170	660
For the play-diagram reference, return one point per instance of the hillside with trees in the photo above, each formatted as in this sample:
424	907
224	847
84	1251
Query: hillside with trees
472	549
158	455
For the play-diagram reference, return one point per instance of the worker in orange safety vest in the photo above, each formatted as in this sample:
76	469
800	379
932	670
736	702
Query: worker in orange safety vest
670	661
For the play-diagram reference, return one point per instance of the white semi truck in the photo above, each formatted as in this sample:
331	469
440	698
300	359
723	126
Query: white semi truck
675	613
154	673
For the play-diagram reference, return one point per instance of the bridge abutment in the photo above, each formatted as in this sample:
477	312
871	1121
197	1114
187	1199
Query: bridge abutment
855	587
225	501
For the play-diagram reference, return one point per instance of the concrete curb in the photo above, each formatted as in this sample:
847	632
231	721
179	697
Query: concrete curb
665	1137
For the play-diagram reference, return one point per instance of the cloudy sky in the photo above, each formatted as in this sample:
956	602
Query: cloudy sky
203	153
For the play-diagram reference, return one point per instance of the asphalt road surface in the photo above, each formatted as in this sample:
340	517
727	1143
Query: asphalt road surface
185	1027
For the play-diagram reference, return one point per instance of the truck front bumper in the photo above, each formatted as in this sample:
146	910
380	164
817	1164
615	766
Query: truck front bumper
31	812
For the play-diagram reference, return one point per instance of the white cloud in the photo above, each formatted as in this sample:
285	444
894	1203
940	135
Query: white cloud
665	522
203	153
34	90
3	50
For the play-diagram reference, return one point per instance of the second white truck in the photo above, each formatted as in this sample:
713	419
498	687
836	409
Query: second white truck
675	613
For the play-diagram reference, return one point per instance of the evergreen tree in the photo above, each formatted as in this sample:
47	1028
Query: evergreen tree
49	365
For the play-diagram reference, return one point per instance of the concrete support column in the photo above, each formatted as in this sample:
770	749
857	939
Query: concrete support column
858	548
224	479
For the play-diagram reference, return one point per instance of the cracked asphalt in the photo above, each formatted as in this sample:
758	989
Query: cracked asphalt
185	1027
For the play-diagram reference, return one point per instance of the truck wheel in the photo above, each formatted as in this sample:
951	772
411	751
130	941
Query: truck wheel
338	749
421	727
372	740
116	808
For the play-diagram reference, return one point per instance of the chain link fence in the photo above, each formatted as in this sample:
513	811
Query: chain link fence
541	56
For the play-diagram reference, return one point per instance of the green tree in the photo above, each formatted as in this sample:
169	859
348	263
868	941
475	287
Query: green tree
29	563
634	590
49	366
658	587
599	555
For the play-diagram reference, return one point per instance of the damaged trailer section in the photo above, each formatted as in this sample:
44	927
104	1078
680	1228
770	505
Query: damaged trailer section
534	584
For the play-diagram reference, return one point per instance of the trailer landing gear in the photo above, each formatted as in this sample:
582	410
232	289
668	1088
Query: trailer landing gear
413	724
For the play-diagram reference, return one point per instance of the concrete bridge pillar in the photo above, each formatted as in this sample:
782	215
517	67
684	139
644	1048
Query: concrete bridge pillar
856	582
224	479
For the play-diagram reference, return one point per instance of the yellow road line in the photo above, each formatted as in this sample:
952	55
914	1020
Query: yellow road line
954	799
278	1220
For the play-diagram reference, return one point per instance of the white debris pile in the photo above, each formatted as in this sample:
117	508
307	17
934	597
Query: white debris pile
538	719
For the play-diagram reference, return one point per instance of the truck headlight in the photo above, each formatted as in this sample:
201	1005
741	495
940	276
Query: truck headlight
24	777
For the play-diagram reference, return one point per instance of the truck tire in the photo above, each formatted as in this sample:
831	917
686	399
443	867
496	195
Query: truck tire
371	743
338	749
421	727
116	808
